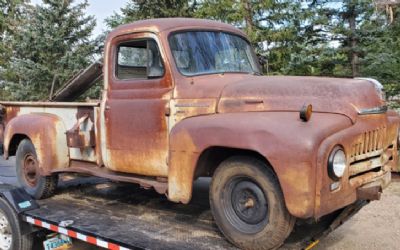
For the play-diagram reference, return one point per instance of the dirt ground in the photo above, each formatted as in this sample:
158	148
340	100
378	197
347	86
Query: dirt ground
376	226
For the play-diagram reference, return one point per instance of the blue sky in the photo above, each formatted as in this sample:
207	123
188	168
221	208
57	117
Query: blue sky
100	9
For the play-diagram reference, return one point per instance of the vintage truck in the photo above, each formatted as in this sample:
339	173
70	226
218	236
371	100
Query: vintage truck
185	98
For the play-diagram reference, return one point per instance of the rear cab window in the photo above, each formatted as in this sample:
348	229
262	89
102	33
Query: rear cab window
139	59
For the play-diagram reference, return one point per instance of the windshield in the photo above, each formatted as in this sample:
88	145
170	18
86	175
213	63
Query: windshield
208	52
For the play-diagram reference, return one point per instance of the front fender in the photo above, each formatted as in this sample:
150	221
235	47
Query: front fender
47	133
289	144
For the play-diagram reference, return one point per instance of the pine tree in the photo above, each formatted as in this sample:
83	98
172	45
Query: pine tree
10	18
145	9
274	27
383	58
53	45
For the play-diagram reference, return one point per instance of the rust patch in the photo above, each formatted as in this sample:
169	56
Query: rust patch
11	112
370	148
76	138
93	169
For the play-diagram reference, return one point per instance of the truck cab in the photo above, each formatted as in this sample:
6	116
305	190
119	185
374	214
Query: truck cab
185	98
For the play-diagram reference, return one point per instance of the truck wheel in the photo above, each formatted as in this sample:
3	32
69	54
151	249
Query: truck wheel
39	187
248	204
10	232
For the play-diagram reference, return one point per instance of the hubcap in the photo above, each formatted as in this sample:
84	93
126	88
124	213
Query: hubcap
30	170
245	205
5	233
249	202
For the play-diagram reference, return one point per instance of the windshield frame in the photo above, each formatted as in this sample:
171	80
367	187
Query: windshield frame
256	71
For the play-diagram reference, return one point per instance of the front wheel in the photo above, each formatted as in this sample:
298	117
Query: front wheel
28	174
248	205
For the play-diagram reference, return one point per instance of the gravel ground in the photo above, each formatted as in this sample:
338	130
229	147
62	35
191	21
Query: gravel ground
376	226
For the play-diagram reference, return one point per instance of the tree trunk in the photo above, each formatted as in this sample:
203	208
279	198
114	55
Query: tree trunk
353	42
248	16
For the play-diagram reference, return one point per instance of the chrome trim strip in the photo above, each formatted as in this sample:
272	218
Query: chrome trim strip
376	110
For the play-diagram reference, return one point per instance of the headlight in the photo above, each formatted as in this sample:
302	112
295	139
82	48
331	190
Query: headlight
336	163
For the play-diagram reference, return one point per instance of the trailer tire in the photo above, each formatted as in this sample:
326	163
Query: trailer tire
248	205
10	222
28	174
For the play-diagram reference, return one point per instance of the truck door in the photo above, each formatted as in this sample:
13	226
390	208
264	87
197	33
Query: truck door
135	106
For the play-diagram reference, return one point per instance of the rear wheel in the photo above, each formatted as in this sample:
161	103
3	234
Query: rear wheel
28	174
10	232
248	205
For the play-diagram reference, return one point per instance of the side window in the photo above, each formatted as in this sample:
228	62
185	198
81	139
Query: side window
139	60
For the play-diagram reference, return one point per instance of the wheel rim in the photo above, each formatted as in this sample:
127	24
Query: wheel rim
5	233
245	205
30	166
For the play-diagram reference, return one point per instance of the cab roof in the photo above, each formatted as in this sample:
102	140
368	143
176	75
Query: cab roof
173	24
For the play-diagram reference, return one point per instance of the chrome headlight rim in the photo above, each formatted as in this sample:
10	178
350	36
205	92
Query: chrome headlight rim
337	169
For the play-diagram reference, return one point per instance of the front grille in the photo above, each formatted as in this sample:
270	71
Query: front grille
368	144
367	151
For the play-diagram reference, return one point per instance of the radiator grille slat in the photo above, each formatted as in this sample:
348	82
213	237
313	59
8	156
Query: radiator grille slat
368	144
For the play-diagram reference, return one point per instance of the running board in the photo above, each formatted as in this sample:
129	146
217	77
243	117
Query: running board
81	167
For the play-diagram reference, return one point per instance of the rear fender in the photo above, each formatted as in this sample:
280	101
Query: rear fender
47	133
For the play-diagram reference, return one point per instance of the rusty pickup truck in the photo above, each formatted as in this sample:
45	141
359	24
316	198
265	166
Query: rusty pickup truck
185	98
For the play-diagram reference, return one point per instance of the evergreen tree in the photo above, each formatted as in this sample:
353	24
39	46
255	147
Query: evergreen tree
146	9
52	46
343	28
274	27
11	16
383	58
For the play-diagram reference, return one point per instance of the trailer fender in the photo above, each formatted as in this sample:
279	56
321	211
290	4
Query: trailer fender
47	133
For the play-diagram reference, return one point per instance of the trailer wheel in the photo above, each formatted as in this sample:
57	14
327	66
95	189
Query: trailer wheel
248	204
11	237
39	187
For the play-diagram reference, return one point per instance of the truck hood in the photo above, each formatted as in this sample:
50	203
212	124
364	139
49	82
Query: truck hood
277	93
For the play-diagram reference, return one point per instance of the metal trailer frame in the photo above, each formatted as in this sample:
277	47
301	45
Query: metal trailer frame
110	221
22	203
111	218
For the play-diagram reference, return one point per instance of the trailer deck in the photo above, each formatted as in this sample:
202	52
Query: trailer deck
132	217
124	216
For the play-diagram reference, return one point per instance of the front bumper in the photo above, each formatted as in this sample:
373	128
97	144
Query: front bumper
373	190
371	148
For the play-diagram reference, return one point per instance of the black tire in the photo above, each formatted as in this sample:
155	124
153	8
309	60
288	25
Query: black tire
248	205
39	187
9	219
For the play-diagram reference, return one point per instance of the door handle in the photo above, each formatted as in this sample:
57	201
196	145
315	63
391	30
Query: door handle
107	107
